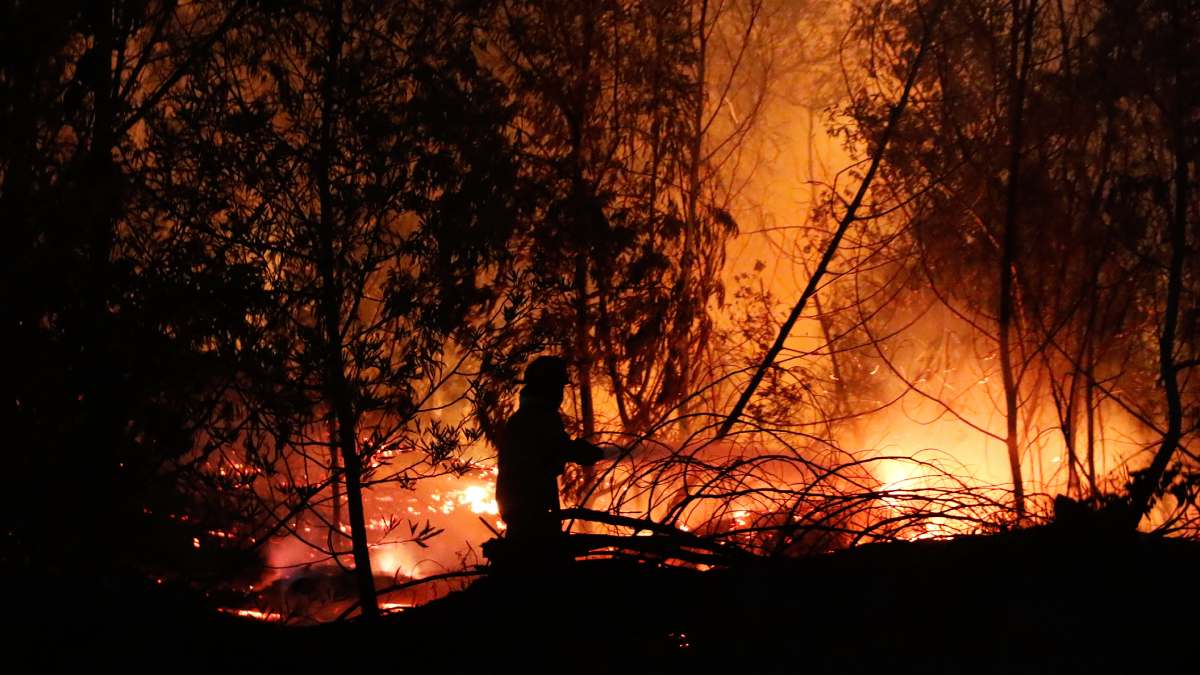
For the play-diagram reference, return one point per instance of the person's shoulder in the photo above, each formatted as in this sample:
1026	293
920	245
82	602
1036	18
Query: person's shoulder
522	417
514	423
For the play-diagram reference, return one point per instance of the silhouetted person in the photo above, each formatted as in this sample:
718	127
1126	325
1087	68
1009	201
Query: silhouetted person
534	448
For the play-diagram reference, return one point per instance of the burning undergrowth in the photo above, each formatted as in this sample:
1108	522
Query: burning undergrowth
695	503
670	499
774	492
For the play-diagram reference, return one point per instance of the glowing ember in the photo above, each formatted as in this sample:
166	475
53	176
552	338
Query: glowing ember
253	614
740	517
481	499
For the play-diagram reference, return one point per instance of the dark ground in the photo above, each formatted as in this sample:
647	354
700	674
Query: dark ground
1045	600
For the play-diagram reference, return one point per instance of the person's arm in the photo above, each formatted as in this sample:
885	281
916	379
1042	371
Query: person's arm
582	452
566	449
555	447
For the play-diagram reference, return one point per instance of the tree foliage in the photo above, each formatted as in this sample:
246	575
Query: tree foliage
1093	209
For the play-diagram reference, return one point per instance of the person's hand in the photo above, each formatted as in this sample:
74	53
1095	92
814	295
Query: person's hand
612	451
585	453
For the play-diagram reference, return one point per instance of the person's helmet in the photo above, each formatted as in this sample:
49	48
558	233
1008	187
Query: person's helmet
547	372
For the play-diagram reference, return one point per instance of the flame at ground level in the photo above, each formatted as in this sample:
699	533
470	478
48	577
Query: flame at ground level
904	458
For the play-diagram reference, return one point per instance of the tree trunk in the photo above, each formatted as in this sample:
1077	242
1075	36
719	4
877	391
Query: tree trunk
583	357
1021	26
358	526
335	480
679	349
1074	481
98	430
1090	402
604	324
1145	485
585	210
336	387
839	384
